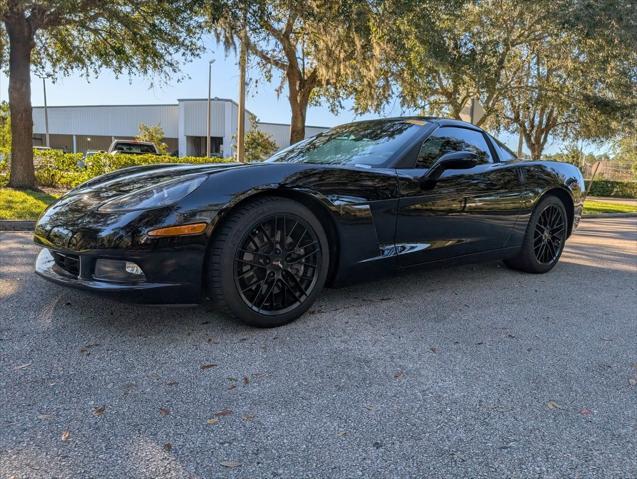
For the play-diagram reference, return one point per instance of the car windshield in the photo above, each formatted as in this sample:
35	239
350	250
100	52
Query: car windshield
369	143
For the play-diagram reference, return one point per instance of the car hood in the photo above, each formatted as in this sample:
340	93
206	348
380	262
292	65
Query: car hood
92	194
78	209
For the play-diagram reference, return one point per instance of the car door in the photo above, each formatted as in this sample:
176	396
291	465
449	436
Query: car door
465	211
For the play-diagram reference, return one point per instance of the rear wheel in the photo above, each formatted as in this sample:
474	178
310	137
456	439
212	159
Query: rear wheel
268	262
544	239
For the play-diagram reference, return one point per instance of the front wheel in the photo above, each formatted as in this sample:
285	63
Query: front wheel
268	262
544	239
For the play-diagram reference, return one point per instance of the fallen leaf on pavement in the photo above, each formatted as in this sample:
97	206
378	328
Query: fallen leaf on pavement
246	380
632	382
248	417
22	366
585	411
212	421
168	447
341	433
232	386
230	464
553	405
66	435
223	412
99	410
434	350
399	374
208	366
164	411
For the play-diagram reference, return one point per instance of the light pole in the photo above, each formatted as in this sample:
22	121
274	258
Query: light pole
46	114
209	108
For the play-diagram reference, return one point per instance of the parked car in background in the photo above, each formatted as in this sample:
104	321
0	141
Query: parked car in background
133	147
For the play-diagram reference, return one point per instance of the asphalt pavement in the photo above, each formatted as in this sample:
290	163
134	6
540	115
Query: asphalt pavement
471	371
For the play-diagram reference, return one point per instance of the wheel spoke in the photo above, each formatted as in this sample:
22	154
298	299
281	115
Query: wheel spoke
289	288
306	255
251	263
296	283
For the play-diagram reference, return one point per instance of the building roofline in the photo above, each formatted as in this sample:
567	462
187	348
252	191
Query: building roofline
106	106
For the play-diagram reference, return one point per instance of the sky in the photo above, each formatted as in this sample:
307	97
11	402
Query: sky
261	100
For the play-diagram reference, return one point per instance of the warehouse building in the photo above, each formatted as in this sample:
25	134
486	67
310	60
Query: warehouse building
82	128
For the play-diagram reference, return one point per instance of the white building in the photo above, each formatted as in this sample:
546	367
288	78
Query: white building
81	128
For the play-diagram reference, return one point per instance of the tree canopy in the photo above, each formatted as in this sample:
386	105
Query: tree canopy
318	47
126	36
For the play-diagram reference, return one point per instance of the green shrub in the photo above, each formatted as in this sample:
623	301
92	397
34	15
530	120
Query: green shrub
617	189
54	168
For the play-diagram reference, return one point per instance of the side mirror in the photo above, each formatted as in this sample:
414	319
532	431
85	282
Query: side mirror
456	160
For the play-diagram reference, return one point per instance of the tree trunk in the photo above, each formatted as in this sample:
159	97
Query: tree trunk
299	98
297	126
21	43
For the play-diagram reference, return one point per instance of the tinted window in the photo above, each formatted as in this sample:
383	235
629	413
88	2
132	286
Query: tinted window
448	139
369	143
134	148
503	152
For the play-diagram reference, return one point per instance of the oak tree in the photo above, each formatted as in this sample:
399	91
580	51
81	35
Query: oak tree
60	36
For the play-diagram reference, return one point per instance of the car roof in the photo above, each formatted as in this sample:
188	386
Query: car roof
438	120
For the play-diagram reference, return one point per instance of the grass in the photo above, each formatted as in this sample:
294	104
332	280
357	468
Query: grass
24	204
592	207
28	205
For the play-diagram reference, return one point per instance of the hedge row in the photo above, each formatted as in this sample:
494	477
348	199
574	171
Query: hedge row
57	169
617	189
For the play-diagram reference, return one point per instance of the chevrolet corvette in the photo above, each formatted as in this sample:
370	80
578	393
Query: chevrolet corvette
261	240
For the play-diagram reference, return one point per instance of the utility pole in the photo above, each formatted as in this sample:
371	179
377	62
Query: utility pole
241	150
46	115
209	108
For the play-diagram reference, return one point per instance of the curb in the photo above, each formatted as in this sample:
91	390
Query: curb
610	215
17	225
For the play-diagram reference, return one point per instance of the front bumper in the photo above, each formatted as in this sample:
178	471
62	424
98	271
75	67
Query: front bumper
150	292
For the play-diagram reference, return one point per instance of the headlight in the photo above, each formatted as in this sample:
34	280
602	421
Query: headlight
155	196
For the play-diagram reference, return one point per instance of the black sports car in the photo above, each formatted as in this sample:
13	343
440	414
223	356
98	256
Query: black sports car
261	240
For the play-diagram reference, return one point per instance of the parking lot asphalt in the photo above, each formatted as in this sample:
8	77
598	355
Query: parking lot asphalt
471	371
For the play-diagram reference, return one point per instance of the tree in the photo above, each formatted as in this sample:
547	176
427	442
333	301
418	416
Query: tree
258	144
153	134
549	68
578	82
127	36
446	56
318	46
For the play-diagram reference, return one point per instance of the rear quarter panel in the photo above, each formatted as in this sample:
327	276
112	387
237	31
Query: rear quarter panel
541	177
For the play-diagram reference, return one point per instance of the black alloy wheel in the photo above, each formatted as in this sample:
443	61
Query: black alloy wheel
544	239
277	264
549	234
268	261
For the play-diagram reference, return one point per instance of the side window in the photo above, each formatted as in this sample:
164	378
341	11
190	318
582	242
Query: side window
503	152
448	139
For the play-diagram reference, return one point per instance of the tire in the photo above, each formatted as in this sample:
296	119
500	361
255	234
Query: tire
257	276
544	238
